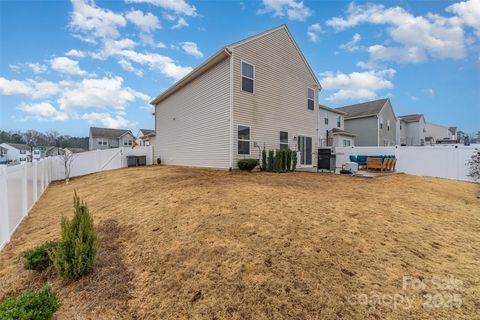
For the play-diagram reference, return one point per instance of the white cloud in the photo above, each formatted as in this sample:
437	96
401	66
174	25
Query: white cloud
146	22
66	65
75	53
416	37
313	32
177	6
104	93
43	111
357	85
98	93
469	13
294	10
127	66
191	48
93	21
352	44
180	23
106	120
35	67
429	92
29	88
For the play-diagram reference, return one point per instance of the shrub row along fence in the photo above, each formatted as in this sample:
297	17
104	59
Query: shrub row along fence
22	185
434	161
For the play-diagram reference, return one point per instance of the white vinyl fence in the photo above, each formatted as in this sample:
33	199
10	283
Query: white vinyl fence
22	185
448	161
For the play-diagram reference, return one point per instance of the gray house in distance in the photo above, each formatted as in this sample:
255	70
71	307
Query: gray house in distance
373	123
105	138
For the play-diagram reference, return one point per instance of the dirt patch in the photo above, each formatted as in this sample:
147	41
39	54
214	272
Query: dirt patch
184	243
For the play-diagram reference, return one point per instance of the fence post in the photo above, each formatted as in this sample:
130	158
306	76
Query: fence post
4	219
24	190
35	184
97	156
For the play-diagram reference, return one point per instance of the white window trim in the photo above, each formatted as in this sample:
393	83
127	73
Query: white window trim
311	99
280	141
241	76
249	141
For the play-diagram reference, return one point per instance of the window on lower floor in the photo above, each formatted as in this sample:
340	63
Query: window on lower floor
101	141
283	140
346	143
243	139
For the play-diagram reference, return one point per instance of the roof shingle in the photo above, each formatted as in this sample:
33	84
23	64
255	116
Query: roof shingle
365	109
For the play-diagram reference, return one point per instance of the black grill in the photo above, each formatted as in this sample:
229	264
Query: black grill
326	160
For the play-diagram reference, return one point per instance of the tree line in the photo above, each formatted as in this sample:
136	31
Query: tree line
49	138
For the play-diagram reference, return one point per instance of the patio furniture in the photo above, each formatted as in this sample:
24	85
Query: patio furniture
375	164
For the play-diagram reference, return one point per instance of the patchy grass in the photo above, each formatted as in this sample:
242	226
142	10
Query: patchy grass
182	243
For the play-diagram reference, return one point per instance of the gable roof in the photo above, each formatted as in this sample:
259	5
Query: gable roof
19	146
222	54
147	132
342	132
321	106
411	117
365	109
108	133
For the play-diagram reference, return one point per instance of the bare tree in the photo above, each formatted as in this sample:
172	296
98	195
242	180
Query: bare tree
67	157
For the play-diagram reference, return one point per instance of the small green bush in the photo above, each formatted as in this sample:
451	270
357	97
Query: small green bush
264	159
247	164
271	164
31	305
76	251
38	258
288	160
294	160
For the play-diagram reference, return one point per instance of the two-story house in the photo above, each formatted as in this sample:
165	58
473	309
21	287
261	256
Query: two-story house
257	92
436	133
17	152
331	131
105	138
411	130
145	137
373	123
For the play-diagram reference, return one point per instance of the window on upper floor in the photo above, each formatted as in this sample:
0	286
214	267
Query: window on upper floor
381	123
283	140
388	125
311	99
243	139
248	77
23	152
339	121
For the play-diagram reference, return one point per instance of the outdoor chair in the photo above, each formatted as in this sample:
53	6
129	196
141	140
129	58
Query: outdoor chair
375	164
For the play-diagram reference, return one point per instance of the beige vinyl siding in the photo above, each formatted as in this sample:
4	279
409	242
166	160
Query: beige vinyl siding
192	125
279	101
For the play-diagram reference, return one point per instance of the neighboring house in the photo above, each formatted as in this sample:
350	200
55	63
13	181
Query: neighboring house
53	151
145	137
3	155
373	123
104	138
17	152
331	131
453	133
438	134
258	92
411	130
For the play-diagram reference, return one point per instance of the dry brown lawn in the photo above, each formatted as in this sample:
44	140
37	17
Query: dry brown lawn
182	243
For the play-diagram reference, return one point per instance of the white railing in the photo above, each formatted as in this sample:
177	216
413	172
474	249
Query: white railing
22	185
449	161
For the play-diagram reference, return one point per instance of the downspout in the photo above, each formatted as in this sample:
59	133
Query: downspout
230	154
378	131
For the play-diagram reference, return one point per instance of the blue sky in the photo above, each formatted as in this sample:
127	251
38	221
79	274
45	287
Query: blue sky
66	66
